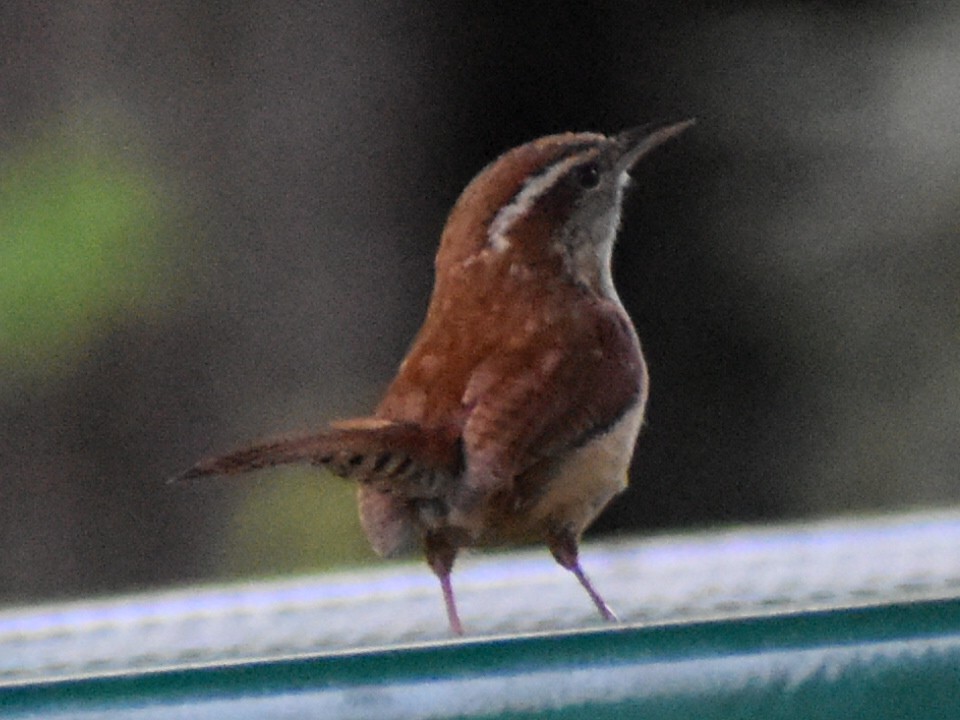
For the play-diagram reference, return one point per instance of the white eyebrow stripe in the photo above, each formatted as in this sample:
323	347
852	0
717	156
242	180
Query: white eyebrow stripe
523	200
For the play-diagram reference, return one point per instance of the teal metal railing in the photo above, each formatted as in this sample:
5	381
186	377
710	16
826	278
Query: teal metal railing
845	618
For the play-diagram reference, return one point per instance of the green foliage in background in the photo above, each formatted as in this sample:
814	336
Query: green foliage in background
295	520
79	249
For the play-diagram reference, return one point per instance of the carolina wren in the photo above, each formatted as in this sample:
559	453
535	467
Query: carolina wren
514	416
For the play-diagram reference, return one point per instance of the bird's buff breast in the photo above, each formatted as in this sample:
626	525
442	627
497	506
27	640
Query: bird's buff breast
579	487
590	476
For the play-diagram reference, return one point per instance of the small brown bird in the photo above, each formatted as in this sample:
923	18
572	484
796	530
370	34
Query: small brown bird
514	416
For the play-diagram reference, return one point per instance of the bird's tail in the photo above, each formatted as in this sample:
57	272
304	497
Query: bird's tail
368	450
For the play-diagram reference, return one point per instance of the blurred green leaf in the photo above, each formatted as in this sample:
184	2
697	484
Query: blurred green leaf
295	520
78	250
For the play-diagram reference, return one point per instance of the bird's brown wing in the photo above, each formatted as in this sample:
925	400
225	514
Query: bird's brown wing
542	401
404	458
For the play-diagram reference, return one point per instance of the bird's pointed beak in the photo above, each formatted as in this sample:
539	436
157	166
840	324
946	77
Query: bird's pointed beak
636	142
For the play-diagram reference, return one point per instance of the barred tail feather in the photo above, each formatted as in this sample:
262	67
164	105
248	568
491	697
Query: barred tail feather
399	456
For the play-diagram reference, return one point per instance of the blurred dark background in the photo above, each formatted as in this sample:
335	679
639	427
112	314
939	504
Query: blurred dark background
217	221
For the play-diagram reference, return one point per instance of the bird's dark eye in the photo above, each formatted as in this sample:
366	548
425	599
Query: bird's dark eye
588	176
